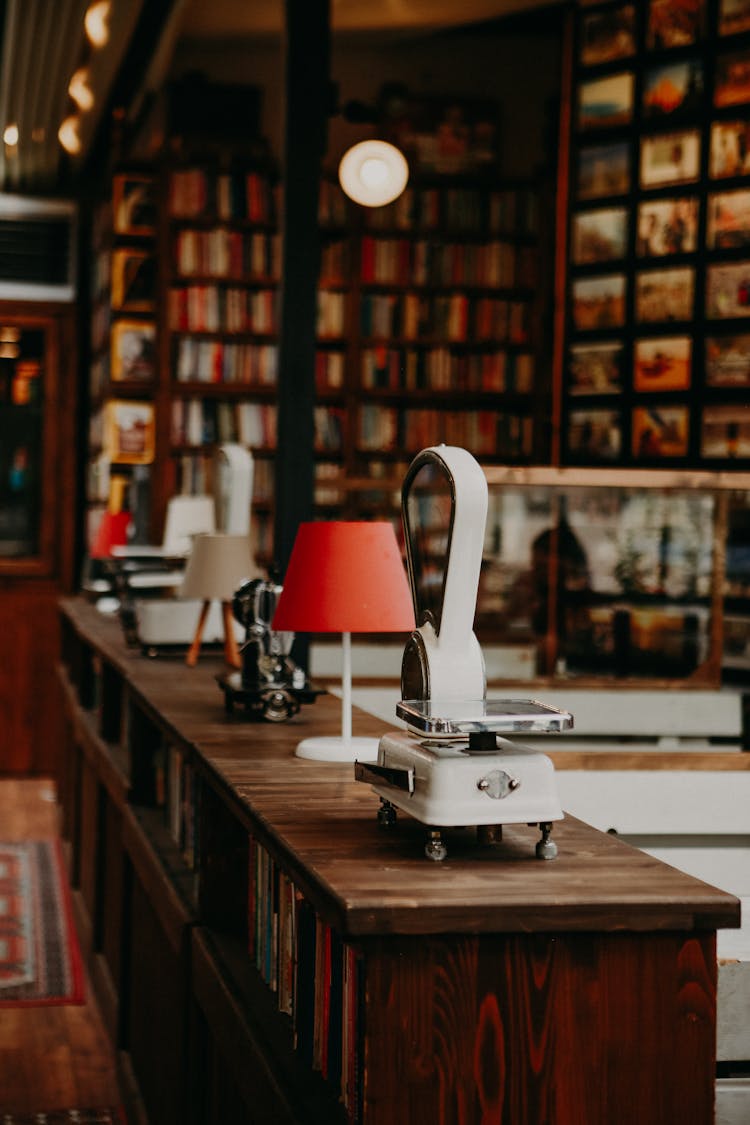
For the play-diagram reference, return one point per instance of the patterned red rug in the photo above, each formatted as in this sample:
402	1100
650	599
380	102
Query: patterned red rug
66	1117
40	962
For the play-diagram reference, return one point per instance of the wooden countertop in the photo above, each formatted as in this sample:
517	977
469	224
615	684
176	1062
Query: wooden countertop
321	826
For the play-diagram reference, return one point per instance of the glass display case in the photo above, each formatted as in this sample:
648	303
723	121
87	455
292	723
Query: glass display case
617	574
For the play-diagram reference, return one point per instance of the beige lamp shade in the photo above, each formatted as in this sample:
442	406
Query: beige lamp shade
216	567
218	564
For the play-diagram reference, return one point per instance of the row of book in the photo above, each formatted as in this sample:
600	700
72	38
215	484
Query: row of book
489	265
213	361
197	421
485	432
440	369
237	195
195	476
181	802
451	319
317	977
335	263
237	255
330	368
220	308
331	313
333	208
460	210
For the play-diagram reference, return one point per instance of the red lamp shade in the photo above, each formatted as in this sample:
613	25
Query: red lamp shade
345	577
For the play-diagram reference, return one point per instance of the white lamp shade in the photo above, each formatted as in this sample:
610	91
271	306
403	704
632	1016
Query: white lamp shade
373	173
217	565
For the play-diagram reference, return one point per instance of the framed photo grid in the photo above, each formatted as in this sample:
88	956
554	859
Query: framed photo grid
656	368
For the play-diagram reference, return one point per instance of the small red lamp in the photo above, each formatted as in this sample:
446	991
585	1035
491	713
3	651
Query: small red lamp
344	577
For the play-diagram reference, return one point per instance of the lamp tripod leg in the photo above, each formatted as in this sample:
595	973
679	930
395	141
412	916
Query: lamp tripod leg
191	657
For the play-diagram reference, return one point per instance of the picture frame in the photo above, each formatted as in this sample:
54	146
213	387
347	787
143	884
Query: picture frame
598	302
599	235
607	102
133	351
729	149
607	36
603	170
129	431
732	78
727	360
664	295
595	434
134	205
670	158
674	23
734	17
728	220
672	88
728	289
660	432
662	363
596	368
666	226
725	430
133	279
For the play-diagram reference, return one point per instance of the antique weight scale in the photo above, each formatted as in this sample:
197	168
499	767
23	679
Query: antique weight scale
452	767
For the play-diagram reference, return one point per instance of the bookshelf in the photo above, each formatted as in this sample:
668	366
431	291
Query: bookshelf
429	328
311	967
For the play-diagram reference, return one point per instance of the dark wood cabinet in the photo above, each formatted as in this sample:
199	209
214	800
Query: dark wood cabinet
37	512
282	958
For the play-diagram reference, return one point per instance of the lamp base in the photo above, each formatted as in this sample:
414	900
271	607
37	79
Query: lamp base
335	749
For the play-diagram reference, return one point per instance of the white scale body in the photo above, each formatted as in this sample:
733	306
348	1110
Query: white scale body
453	767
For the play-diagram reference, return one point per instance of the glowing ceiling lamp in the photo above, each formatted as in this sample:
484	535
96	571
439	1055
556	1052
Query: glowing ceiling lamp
96	22
10	135
69	136
373	173
79	89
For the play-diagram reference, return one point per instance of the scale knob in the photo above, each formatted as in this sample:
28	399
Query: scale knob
498	784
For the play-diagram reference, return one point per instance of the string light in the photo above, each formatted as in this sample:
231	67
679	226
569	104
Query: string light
96	22
69	137
79	89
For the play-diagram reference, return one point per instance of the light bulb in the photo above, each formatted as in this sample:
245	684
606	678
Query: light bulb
10	135
373	173
68	136
96	22
79	89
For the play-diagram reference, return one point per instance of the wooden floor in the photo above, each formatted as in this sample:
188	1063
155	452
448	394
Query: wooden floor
54	1057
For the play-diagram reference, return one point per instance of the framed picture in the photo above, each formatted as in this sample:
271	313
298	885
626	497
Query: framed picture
728	220
132	351
599	302
134	204
604	170
727	360
729	149
667	226
608	35
129	432
734	16
672	88
728	289
660	431
605	103
133	280
599	236
725	431
670	158
664	294
674	23
596	434
595	369
732	80
662	364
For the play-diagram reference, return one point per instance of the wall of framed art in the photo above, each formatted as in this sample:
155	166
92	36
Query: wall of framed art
655	369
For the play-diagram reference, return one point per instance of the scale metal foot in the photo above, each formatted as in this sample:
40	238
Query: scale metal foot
435	849
386	813
546	848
